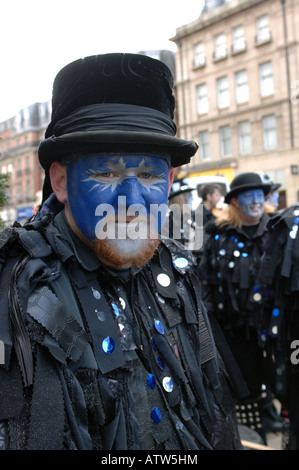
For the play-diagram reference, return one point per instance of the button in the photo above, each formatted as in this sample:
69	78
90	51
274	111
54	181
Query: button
163	280
181	262
167	384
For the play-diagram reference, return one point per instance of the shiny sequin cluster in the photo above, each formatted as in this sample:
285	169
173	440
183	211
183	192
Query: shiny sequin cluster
108	343
167	382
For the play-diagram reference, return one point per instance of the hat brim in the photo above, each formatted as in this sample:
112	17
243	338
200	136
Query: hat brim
235	192
54	148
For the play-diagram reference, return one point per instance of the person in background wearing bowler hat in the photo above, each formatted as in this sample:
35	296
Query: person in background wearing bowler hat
229	266
107	343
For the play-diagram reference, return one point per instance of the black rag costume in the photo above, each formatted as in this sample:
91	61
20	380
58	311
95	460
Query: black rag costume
228	270
121	361
278	282
97	358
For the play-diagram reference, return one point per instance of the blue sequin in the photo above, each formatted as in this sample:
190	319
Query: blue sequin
160	299
116	311
241	245
160	363
275	312
101	315
159	327
96	293
108	345
156	415
296	220
216	237
244	255
257	289
151	381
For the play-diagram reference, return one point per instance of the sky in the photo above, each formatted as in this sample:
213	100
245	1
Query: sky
40	37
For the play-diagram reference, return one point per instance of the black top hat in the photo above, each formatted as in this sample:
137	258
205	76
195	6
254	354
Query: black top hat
244	182
118	102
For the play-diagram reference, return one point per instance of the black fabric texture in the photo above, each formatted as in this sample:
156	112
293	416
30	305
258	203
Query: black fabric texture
75	404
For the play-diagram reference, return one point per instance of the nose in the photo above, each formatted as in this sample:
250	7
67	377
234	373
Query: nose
132	190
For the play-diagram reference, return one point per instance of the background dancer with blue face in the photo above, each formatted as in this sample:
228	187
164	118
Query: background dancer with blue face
231	259
108	343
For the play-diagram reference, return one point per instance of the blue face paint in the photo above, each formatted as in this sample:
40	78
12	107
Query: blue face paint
252	202
100	184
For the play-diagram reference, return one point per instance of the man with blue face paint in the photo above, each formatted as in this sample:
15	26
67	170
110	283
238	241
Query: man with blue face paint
113	188
229	267
251	205
108	345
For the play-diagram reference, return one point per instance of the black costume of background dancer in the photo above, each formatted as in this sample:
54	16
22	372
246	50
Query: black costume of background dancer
278	280
228	270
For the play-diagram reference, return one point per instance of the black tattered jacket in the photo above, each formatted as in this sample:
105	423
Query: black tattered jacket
96	359
228	271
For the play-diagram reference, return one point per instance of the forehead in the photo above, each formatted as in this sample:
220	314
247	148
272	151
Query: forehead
252	192
131	160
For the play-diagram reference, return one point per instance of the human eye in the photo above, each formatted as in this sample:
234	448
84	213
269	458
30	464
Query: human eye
146	176
106	175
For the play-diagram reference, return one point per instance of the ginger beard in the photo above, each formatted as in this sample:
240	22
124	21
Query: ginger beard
125	253
138	180
129	243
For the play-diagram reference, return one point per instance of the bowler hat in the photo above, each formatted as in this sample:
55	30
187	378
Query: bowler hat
244	182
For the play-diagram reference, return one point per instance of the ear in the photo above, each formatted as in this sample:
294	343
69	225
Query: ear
170	178
58	178
235	202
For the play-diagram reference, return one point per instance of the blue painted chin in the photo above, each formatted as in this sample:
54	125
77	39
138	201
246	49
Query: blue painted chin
103	184
252	202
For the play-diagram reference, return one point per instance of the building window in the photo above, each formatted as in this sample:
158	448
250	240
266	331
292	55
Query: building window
244	133
202	99
223	92
262	29
199	54
269	132
242	90
220	46
239	43
266	79
204	145
225	141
